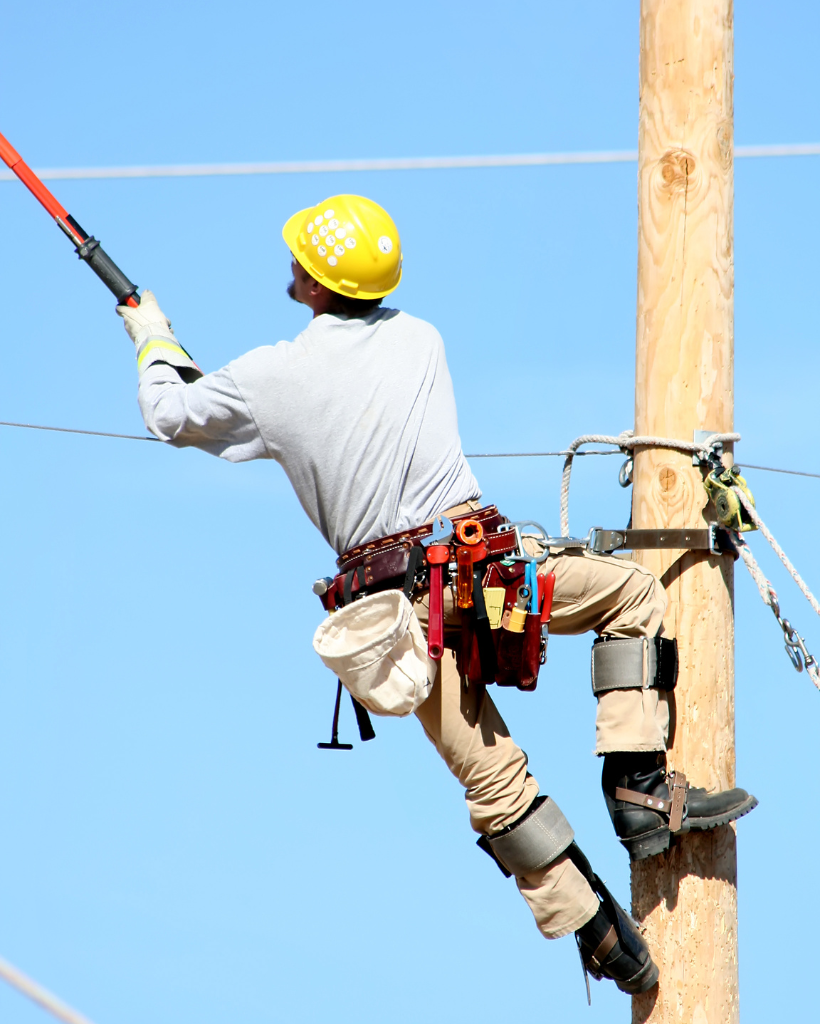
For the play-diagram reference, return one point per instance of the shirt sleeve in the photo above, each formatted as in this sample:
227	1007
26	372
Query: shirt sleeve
209	414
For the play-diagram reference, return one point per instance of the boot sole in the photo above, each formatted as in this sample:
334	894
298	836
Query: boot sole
650	844
642	981
716	820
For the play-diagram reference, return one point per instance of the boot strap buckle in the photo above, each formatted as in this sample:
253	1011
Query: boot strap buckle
675	807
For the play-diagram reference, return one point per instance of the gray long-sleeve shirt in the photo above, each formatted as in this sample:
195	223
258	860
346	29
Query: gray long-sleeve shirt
359	412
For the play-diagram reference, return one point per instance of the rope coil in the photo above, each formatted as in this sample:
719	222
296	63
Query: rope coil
627	441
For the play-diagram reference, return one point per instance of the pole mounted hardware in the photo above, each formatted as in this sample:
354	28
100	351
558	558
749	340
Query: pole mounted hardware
720	484
87	247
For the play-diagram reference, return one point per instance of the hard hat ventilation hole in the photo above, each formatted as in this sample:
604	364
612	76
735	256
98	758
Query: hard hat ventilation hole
385	244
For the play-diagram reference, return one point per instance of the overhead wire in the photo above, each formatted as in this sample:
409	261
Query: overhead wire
7	971
35	991
469	455
75	430
411	163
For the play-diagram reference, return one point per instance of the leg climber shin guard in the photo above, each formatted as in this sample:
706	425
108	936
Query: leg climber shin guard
634	663
610	943
535	840
648	805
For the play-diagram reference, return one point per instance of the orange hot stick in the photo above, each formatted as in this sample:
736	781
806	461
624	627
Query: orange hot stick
87	247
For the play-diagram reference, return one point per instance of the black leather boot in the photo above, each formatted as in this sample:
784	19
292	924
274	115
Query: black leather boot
648	806
610	944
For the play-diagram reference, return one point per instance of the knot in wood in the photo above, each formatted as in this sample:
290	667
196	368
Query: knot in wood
670	490
677	172
668	478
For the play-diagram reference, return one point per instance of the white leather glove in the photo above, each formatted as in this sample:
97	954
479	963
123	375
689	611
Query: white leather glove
147	315
150	330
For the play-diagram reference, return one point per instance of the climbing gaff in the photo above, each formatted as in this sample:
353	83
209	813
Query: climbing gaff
87	248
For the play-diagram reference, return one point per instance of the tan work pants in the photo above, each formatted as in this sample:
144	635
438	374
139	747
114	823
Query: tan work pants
603	594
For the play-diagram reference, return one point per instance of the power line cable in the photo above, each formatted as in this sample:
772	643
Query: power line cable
468	455
40	995
74	430
412	163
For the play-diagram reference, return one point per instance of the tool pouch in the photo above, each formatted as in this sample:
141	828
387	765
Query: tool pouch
517	655
377	649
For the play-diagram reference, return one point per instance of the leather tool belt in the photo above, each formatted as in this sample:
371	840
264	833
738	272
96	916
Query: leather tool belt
386	557
487	649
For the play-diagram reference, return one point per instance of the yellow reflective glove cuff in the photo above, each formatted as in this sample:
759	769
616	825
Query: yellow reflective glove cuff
163	350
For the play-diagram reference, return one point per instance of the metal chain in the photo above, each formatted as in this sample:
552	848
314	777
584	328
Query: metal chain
798	653
795	644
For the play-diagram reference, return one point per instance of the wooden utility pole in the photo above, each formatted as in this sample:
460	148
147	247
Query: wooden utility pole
687	898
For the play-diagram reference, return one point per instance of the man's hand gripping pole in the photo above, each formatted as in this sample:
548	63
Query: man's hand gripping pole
87	247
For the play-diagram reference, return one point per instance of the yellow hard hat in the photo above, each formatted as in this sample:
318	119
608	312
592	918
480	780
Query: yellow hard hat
349	244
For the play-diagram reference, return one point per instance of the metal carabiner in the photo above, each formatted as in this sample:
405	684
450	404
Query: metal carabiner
523	555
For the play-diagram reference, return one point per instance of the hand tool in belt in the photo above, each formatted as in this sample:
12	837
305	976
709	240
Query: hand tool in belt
546	589
437	551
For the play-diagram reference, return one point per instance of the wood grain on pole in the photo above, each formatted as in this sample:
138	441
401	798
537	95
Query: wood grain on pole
687	897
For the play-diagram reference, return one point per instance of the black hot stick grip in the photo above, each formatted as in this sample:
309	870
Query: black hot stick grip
107	270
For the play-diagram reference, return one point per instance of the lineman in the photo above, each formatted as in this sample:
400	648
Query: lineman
359	410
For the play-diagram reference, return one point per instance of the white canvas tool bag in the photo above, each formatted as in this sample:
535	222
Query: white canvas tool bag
377	648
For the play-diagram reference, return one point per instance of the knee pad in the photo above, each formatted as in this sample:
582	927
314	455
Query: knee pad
538	837
636	663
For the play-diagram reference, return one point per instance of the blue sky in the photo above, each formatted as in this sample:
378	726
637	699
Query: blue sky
175	846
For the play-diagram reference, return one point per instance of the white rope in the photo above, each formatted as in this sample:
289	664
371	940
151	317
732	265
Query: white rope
49	1002
626	441
781	554
767	591
795	645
